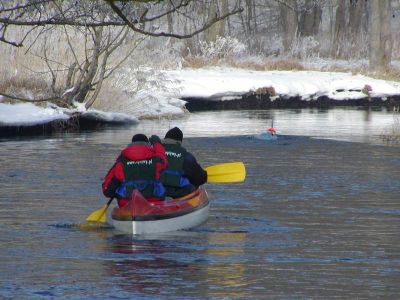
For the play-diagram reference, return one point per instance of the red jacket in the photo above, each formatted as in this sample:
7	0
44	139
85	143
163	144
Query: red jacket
134	152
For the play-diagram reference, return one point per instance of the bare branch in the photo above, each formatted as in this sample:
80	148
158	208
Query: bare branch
52	99
53	74
56	21
15	44
175	8
86	73
19	7
165	34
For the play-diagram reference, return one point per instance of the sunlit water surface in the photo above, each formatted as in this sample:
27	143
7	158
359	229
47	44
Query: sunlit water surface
317	217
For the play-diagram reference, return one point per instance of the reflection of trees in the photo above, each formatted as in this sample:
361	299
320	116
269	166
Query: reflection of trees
229	275
149	276
147	268
176	268
367	114
262	115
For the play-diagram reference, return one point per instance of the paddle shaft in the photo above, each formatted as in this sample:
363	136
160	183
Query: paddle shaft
109	201
108	204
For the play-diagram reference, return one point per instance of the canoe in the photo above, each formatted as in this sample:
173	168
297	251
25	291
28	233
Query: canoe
141	216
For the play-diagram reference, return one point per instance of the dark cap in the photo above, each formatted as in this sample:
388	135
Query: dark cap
140	138
174	134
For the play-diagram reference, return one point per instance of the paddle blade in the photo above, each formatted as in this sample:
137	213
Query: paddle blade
228	172
98	215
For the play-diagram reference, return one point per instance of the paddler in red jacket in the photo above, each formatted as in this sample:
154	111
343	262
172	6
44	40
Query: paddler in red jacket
138	167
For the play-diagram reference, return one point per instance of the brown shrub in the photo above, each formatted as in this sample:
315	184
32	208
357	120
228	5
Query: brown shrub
281	64
24	88
392	135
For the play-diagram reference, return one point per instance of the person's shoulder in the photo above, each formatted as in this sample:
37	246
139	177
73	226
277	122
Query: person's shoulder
189	156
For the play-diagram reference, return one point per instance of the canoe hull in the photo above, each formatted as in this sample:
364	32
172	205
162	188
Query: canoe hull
187	221
140	216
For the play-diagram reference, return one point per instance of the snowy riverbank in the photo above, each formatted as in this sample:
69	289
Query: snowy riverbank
213	84
225	84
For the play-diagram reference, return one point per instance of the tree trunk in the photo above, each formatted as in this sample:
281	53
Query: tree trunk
218	29
222	24
380	46
288	12
170	21
339	32
357	15
310	19
249	16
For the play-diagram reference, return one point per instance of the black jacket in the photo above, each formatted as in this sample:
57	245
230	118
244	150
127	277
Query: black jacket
192	171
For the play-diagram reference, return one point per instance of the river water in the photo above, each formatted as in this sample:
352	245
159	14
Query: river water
318	216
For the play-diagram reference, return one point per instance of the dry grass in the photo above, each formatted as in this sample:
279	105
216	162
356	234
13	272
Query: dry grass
197	62
24	88
389	73
392	136
18	83
288	64
276	64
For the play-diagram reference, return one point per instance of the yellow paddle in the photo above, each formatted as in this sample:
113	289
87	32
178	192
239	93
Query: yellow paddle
228	172
100	214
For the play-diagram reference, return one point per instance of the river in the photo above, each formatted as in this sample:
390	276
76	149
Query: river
318	216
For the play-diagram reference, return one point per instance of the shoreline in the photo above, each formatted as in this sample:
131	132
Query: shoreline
76	123
250	101
266	101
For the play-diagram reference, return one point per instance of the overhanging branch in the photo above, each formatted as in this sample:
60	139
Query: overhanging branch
52	99
131	25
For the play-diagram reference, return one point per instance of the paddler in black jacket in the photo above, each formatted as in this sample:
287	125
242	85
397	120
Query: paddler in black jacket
184	174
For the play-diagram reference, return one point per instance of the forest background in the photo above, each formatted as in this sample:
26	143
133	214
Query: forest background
104	53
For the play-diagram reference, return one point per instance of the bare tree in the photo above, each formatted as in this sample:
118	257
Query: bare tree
357	17
380	47
98	21
310	18
289	22
339	33
218	29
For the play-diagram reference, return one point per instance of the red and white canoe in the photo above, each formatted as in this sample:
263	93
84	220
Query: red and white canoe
141	216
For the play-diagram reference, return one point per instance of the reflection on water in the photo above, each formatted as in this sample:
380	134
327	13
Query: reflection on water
345	124
168	265
315	218
230	274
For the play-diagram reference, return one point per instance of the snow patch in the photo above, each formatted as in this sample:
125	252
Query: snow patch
28	114
25	114
206	83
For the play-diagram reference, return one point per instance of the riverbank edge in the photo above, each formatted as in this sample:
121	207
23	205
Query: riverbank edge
249	101
268	101
76	123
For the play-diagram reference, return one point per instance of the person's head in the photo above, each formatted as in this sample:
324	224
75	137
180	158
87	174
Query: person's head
174	134
140	138
271	130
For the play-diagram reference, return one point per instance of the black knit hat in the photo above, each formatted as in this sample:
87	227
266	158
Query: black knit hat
175	134
140	138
